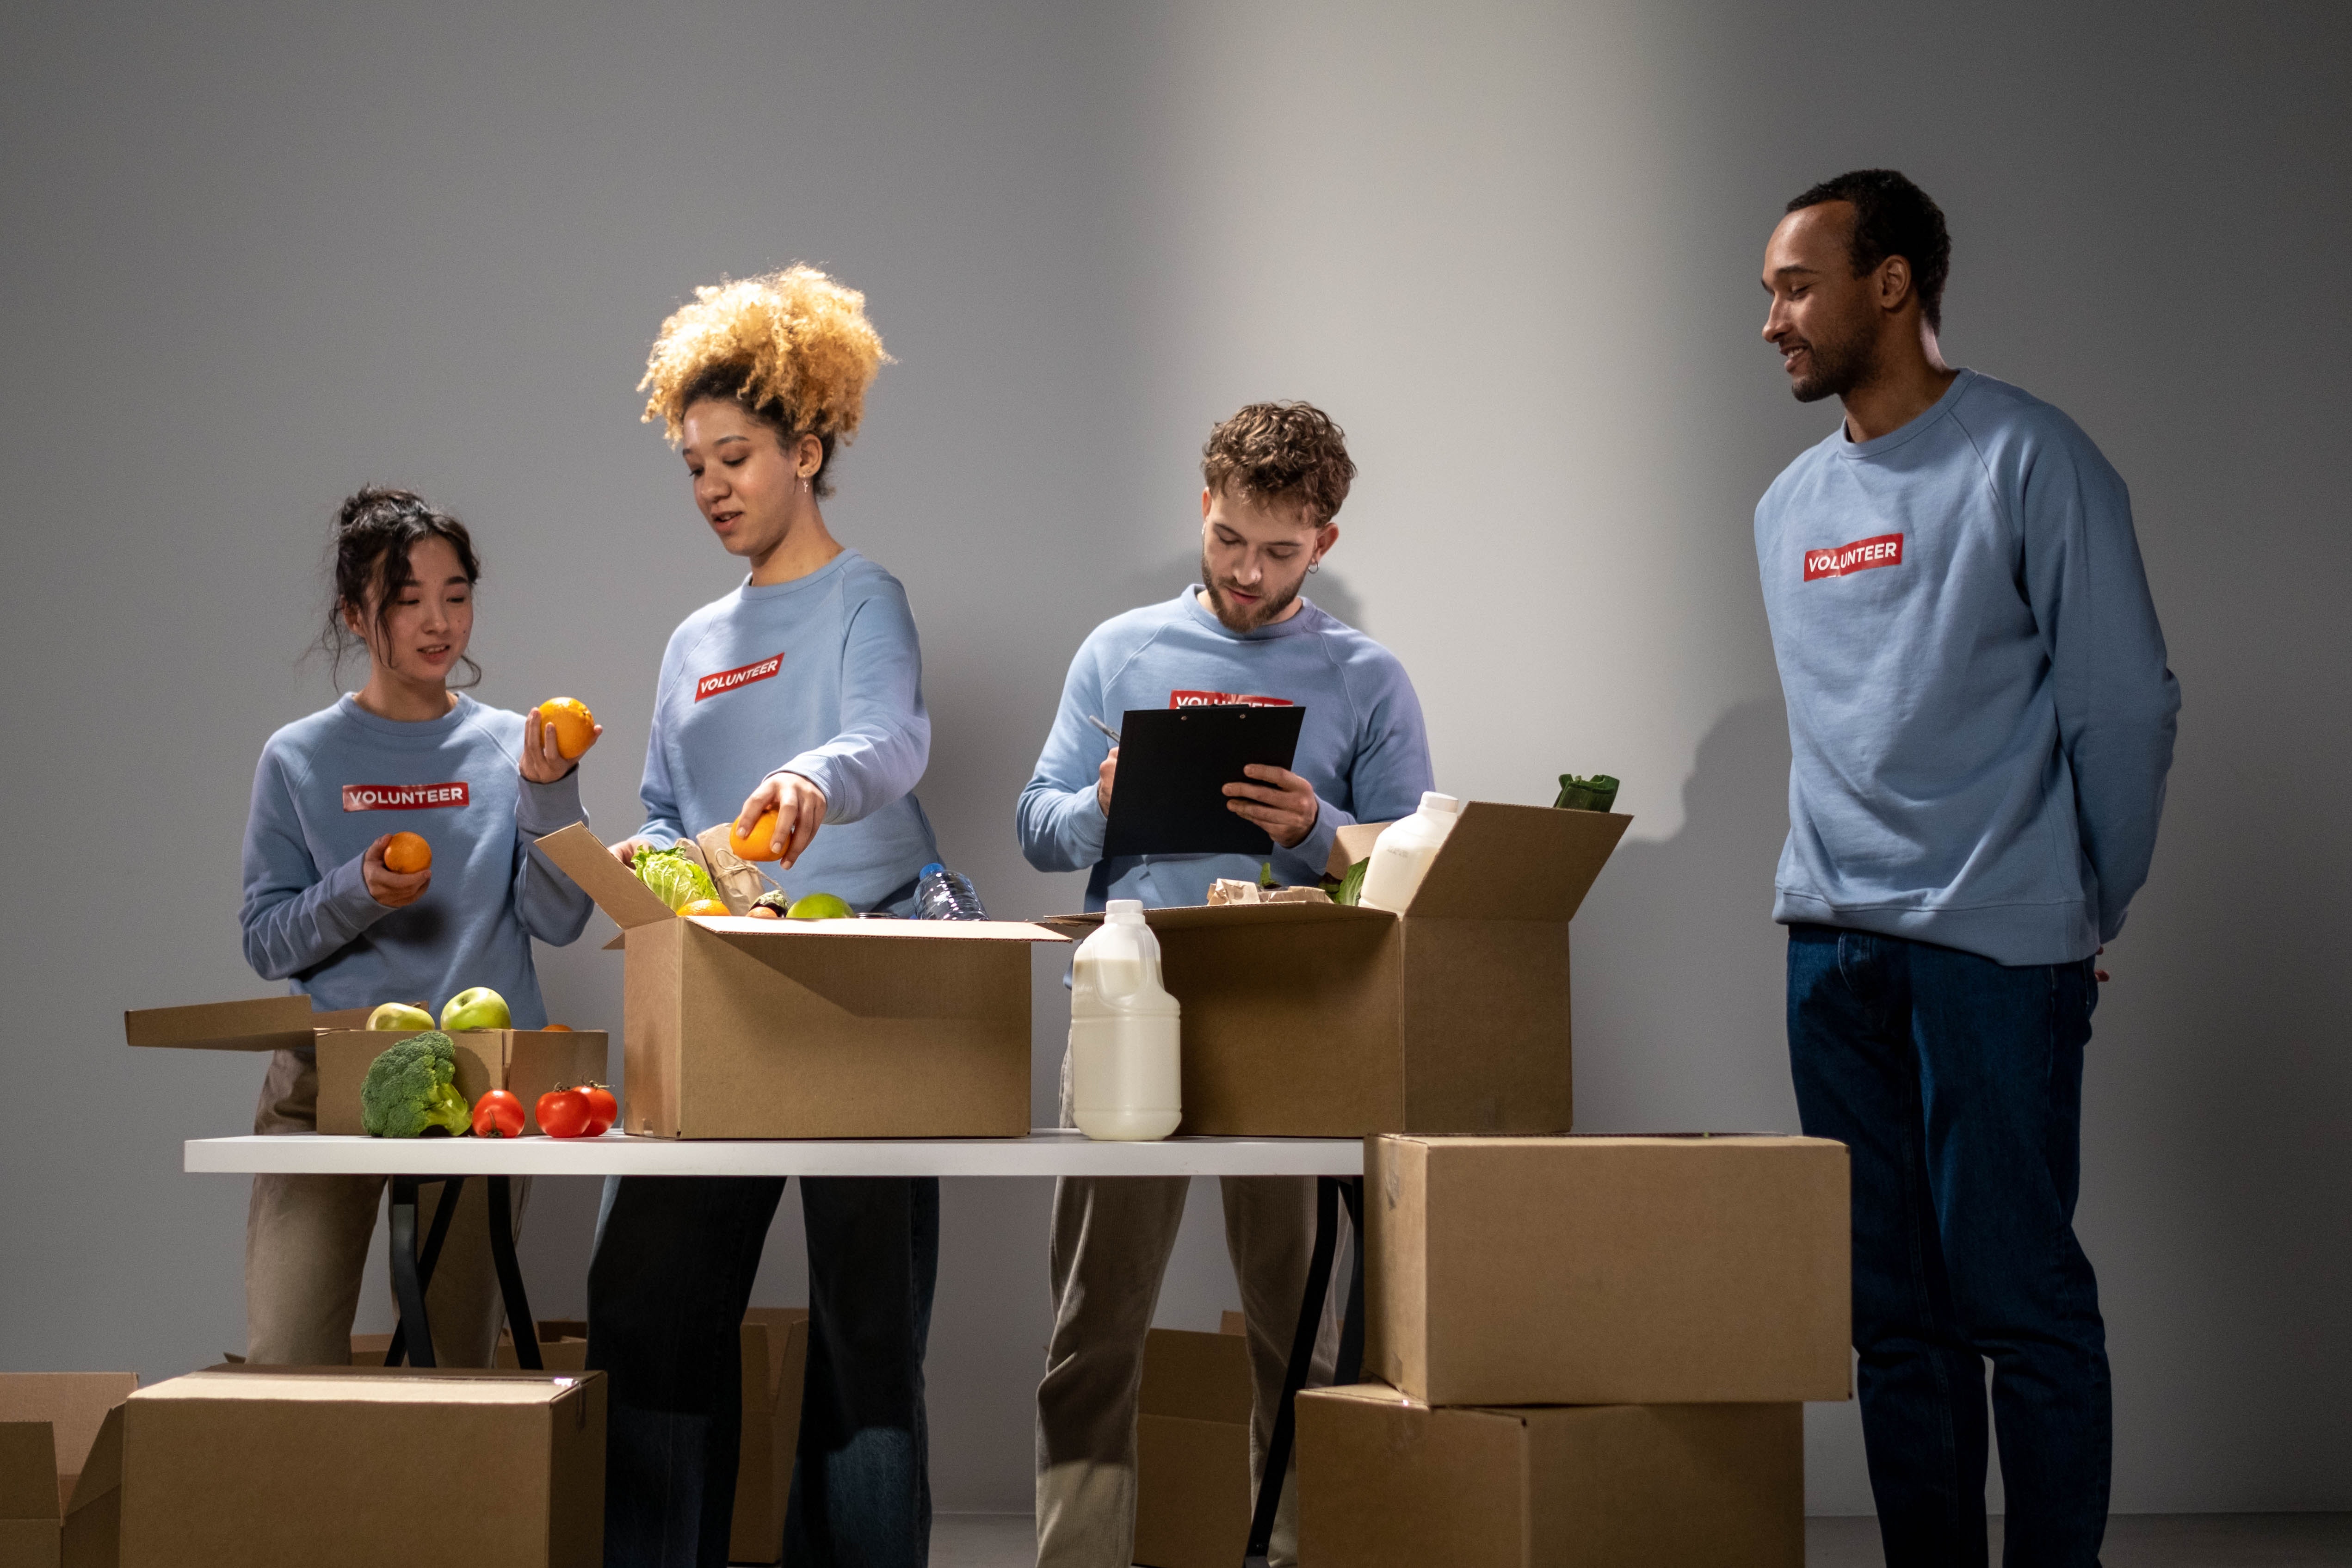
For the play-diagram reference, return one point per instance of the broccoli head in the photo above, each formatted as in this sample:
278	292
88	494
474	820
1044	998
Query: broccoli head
412	1090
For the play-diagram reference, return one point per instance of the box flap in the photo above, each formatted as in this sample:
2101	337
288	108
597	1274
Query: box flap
365	1384
102	1472
1353	842
580	854
1360	1393
1192	917
264	1024
1518	863
28	1471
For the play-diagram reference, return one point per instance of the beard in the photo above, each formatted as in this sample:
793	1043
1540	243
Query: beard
1840	364
1237	616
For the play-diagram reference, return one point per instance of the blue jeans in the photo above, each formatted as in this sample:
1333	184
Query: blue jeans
1958	1084
675	1260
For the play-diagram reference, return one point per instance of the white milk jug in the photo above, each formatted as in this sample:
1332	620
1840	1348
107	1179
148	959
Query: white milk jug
1126	1081
1401	853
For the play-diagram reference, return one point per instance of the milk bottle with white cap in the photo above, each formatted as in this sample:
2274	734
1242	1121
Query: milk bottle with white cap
1401	853
1126	1081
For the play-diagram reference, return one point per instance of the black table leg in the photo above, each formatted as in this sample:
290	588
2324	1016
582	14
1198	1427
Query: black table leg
502	1255
1329	1192
412	1274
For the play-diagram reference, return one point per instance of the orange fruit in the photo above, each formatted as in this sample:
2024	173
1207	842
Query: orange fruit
703	907
756	846
576	727
407	853
555	1028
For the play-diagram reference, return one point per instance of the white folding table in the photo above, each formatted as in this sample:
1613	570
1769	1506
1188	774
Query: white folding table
1336	1162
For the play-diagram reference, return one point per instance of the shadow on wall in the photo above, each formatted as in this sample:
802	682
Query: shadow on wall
1679	1012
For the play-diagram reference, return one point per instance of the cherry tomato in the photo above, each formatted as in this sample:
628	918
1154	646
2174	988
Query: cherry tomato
563	1113
498	1114
603	1108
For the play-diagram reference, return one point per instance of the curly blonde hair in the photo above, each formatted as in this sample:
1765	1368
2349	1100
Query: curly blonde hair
793	347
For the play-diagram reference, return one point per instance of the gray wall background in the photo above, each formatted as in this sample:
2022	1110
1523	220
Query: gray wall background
256	255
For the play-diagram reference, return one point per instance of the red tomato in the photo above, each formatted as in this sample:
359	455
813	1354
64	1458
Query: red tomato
563	1113
603	1108
498	1114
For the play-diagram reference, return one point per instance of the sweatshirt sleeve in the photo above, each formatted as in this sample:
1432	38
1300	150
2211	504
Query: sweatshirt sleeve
2117	700
657	790
1391	770
551	905
886	734
294	918
1060	821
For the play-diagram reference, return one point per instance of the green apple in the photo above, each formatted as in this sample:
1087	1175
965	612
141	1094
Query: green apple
478	1008
400	1018
819	907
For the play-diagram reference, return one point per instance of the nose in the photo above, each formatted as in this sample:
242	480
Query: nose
1775	320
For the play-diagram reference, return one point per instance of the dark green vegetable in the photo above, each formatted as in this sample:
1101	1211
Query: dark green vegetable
411	1090
1351	889
1597	792
1265	878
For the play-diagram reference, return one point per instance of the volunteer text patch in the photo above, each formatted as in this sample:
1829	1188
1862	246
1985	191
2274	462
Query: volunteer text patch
403	797
1221	698
1885	550
741	675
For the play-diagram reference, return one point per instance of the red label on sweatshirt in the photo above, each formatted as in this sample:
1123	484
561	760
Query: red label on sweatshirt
1885	550
741	675
406	797
1221	698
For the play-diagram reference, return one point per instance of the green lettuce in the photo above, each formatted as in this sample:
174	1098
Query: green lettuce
674	879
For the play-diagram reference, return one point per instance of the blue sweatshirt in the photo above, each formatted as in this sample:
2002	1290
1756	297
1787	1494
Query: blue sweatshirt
1980	712
332	783
1361	745
822	676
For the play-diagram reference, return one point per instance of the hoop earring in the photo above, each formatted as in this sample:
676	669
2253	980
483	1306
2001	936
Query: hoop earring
1315	566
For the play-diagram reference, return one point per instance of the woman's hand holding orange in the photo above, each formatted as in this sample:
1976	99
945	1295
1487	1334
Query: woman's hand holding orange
543	760
393	890
799	806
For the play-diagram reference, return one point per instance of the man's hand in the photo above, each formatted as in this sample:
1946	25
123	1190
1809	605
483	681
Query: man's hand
1102	780
542	761
625	851
393	890
799	806
1283	804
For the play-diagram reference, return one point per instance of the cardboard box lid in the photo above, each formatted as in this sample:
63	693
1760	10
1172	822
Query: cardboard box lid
52	1457
1518	863
1224	917
366	1385
262	1023
584	858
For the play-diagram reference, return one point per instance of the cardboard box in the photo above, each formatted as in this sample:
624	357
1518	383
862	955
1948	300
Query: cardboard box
1192	1449
1605	1270
61	1468
776	1357
1318	1020
527	1062
853	1028
1385	1482
364	1468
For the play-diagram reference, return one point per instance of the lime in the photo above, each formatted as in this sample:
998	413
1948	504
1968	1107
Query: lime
819	907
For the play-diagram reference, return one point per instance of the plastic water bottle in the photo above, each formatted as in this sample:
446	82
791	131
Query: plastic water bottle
944	895
1401	853
1126	1073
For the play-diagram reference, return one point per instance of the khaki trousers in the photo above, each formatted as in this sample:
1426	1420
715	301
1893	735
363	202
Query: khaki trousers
306	1245
1112	1237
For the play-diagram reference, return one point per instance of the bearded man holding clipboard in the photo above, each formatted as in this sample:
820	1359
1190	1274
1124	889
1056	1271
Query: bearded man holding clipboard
1274	477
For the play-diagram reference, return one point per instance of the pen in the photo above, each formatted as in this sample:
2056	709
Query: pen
1109	734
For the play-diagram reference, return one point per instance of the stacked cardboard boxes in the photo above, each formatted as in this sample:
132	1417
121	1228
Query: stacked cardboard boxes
61	1468
1592	1350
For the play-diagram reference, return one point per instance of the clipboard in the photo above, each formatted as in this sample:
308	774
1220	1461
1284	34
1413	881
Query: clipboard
1173	766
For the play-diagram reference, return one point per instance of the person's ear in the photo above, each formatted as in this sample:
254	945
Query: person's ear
809	456
352	622
1894	282
1204	506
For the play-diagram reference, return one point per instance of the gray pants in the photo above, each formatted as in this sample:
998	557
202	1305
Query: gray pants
306	1245
1112	1235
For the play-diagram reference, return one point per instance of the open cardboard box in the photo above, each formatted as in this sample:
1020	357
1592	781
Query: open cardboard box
1386	1482
364	1468
1607	1270
528	1062
61	1468
855	1028
1319	1020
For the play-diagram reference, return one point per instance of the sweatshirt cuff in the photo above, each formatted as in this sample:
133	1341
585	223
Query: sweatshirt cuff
541	809
1087	827
1314	851
818	769
344	897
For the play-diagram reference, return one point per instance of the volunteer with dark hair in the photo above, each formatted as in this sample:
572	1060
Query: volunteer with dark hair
1274	477
405	752
1981	720
800	692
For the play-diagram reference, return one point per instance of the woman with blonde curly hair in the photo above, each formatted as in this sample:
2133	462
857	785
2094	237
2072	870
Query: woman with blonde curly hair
800	692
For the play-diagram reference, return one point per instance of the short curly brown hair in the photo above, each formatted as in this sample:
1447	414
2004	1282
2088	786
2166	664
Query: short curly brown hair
1281	452
793	347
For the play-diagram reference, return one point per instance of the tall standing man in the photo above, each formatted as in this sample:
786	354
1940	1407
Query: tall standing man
1272	478
1980	719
